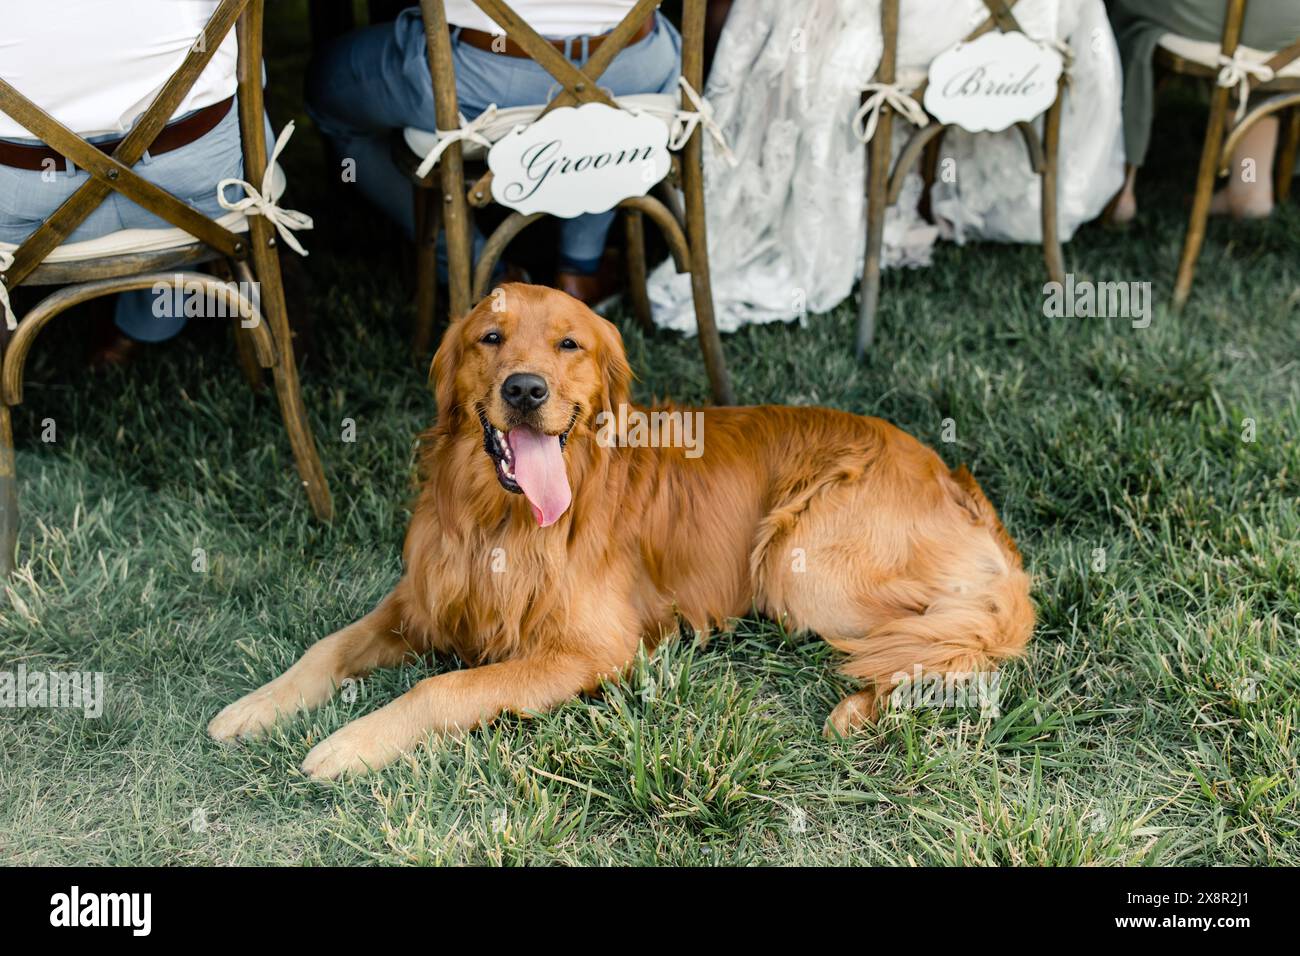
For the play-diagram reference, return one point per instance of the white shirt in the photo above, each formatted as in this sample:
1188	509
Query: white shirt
95	65
550	18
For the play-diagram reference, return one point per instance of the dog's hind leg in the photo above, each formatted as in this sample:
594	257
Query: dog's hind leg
853	713
957	636
931	588
374	641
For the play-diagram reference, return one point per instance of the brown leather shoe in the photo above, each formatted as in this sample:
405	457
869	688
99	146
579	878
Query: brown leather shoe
584	288
593	289
109	347
114	354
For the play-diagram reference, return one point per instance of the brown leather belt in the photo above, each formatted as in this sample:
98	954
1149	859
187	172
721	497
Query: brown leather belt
173	136
483	40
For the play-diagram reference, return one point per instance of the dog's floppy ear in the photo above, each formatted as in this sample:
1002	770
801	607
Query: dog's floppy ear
445	363
616	374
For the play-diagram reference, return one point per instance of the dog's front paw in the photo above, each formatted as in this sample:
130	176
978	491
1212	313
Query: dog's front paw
250	716
361	746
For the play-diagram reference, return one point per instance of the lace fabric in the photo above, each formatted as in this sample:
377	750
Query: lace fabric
787	224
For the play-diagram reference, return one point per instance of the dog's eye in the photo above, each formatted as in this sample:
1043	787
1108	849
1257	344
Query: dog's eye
492	338
568	345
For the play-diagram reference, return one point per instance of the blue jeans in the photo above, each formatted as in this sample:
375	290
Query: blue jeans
376	80
191	173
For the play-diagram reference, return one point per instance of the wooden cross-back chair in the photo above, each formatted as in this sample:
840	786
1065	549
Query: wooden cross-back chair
885	181
1239	72
246	243
444	202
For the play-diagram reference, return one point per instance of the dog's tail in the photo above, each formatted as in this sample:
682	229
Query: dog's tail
988	618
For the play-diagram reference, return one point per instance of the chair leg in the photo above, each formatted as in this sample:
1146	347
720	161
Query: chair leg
634	229
249	367
929	172
1286	156
668	195
8	495
701	289
877	198
287	388
427	218
457	225
1051	152
248	364
1204	192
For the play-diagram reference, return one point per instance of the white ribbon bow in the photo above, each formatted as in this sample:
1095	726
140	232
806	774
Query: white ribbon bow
262	203
686	121
11	321
868	115
1237	71
468	132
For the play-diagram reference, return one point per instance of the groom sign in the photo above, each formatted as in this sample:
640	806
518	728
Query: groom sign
579	160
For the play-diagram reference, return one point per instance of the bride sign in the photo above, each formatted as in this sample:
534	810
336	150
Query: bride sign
579	160
993	81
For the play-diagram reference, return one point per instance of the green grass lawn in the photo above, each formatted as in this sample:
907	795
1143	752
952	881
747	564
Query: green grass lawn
1154	719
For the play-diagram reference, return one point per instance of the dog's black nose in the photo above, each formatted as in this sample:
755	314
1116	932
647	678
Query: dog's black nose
524	391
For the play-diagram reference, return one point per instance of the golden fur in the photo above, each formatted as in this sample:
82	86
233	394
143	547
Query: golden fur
833	523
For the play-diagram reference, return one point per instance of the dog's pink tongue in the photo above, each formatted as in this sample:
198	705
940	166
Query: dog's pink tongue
539	470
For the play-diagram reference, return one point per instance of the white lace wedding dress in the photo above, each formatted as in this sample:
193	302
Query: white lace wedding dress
787	224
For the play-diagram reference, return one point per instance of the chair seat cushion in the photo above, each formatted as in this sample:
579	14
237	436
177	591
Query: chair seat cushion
422	141
131	241
1206	53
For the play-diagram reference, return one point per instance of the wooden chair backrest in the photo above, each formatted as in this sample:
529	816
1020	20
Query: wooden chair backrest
1233	18
999	18
578	83
113	173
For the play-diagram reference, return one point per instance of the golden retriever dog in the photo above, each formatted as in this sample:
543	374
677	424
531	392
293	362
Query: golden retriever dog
545	548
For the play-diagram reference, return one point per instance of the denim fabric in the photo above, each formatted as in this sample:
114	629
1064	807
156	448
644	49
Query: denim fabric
190	173
376	80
